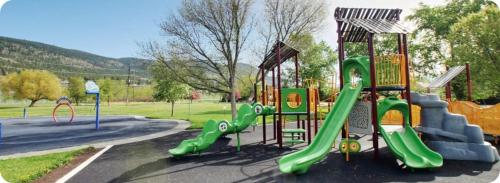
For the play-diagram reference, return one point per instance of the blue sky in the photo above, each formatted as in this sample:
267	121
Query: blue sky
114	27
105	27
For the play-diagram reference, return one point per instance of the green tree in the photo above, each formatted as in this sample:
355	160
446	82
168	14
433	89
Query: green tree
476	40
170	91
167	88
33	85
76	89
107	89
432	46
382	44
316	60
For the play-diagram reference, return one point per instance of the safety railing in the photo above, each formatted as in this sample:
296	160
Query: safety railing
390	70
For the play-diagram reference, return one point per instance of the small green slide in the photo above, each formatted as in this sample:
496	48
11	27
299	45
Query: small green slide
405	144
247	115
300	161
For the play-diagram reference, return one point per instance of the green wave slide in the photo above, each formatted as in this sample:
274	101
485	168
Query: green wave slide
405	144
247	115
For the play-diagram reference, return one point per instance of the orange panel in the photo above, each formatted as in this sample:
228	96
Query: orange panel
487	118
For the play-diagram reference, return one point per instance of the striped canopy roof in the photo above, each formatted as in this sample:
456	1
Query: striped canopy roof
286	52
357	22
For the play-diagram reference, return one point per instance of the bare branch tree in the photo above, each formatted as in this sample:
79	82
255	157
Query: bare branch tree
285	18
206	39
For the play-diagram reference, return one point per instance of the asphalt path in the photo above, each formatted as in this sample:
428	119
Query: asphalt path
39	134
149	161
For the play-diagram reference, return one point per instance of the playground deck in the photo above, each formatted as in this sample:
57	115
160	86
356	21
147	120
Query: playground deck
148	161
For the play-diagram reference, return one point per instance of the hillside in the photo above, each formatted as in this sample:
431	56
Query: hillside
16	54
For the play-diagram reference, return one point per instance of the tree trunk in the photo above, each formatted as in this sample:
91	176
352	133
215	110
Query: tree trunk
172	109
32	104
233	100
108	102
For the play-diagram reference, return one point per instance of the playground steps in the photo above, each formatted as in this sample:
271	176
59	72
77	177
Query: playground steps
294	131
294	141
292	136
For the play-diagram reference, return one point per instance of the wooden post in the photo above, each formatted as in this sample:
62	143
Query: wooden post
448	89
274	101
278	60
303	127
308	94
408	81
400	52
373	93
316	101
264	93
274	126
255	95
340	41
469	82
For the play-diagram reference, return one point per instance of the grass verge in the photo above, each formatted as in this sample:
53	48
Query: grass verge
29	169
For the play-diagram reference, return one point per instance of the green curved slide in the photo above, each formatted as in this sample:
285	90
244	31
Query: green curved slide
247	115
405	144
299	162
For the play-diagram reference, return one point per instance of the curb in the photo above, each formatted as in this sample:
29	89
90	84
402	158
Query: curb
2	180
181	125
80	167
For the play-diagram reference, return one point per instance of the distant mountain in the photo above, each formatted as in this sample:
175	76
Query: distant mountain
16	54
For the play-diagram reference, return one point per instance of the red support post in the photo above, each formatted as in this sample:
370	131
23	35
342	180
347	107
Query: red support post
408	81
340	41
400	52
373	93
316	101
469	82
280	118
303	127
274	100
448	89
264	93
308	94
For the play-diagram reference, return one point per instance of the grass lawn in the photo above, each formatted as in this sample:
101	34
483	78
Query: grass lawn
197	112
31	168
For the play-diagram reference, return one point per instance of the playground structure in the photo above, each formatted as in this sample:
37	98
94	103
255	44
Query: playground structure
360	103
298	101
63	101
247	115
485	117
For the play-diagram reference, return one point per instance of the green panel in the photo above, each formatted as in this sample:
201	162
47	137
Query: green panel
406	144
302	92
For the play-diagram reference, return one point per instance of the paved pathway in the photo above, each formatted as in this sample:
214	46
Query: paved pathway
40	134
148	161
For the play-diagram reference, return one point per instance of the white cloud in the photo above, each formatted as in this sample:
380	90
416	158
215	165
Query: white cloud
2	2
